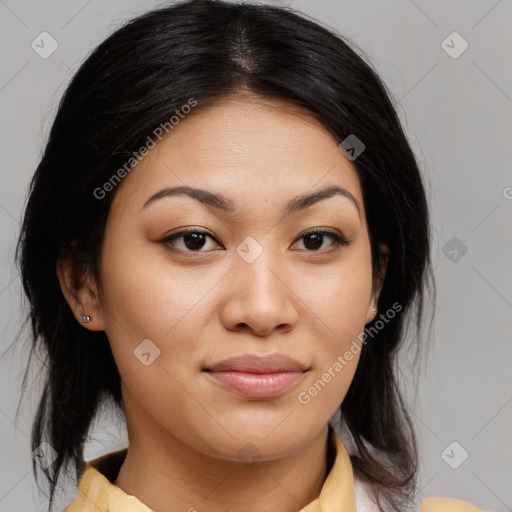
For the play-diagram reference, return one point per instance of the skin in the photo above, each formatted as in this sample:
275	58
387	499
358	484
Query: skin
308	302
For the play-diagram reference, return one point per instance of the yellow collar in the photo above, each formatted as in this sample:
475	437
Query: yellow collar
96	493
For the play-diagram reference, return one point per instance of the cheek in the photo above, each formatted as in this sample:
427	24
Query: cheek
148	297
339	298
339	303
151	324
143	300
336	355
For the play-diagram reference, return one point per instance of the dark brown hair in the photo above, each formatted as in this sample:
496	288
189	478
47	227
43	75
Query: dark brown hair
134	81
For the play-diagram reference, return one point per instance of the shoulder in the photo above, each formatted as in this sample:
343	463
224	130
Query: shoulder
445	504
365	502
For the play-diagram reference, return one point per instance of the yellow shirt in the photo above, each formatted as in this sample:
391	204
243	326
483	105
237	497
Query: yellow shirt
96	493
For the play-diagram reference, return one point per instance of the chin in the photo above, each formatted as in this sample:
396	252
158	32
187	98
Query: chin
249	444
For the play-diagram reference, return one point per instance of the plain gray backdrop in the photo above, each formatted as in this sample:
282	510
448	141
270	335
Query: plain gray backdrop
456	106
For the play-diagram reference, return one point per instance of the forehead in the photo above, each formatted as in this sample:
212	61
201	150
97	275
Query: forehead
250	149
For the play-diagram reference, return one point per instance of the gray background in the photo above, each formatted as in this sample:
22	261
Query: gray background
457	113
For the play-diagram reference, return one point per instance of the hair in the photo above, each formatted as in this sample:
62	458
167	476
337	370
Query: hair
132	83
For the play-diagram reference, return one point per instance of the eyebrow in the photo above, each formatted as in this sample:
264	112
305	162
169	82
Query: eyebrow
222	203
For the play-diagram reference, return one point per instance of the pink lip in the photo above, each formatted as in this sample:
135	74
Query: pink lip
256	376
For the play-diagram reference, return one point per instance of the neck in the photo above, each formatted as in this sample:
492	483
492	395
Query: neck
166	474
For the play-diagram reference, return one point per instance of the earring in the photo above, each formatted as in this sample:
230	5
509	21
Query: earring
85	318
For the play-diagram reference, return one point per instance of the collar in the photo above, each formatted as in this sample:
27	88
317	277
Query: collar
97	493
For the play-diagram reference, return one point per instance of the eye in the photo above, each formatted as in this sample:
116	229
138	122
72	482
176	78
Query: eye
190	240
193	239
314	239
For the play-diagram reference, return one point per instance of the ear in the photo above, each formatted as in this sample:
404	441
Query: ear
378	280
80	291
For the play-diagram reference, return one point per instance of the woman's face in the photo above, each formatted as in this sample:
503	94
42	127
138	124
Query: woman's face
247	280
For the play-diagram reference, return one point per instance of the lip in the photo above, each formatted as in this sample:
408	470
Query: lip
257	377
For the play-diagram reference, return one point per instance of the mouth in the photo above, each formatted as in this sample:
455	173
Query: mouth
257	377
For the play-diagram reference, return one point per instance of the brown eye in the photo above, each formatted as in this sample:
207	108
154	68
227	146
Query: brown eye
189	240
314	240
194	241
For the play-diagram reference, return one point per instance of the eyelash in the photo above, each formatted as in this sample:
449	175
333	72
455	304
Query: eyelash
338	241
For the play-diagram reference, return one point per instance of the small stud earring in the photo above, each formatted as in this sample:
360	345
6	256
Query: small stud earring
85	318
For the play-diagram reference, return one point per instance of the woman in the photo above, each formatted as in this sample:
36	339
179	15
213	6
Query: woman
225	238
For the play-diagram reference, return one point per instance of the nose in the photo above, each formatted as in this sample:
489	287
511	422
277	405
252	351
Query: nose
260	297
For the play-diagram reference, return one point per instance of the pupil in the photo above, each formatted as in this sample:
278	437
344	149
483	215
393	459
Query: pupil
196	241
317	241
